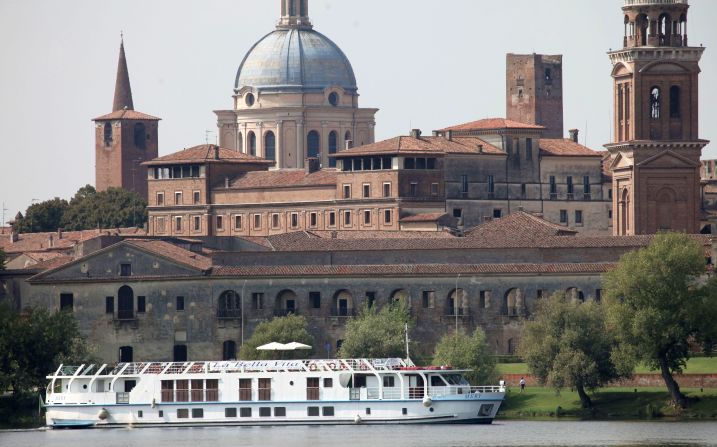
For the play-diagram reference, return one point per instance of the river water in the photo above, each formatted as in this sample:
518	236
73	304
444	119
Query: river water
501	433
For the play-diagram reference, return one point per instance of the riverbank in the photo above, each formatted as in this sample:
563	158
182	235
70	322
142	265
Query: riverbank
608	404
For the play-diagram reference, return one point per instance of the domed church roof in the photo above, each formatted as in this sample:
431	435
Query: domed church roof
294	57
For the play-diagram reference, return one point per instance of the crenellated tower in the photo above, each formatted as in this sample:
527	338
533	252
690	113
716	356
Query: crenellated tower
656	149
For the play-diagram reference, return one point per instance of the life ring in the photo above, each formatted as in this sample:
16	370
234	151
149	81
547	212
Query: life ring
332	366
312	367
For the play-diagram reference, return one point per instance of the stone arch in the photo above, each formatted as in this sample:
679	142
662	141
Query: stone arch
286	303
457	302
642	22
229	305
400	295
513	302
125	303
342	304
655	102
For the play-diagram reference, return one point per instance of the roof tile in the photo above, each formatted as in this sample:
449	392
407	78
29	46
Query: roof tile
491	124
206	153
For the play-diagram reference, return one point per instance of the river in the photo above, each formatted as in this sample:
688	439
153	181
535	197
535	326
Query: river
501	433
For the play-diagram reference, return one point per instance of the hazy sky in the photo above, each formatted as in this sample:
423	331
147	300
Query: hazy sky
426	64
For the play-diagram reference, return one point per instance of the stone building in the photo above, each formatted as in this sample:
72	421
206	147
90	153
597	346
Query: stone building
295	96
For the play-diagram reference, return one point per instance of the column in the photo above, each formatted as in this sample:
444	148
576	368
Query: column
279	146
324	149
300	139
260	140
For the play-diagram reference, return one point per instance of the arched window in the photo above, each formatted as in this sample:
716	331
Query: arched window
125	303
643	23
229	350
251	141
663	29
313	144
674	101
108	133
655	100
457	303
229	305
270	146
140	136
333	147
347	137
513	302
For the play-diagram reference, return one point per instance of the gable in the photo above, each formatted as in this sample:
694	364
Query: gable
668	159
664	67
113	262
621	162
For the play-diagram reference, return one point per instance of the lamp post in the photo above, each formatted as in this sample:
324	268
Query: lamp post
455	302
241	304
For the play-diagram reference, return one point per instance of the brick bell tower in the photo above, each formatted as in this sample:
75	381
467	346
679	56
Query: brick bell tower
656	152
124	139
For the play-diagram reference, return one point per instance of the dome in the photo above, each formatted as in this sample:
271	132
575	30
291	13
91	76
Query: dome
295	59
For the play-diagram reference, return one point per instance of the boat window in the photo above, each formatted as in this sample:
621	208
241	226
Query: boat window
212	390
455	379
437	381
197	413
182	391
327	411
140	414
264	412
264	389
245	412
368	410
244	389
129	385
280	411
197	390
312	388
167	390
312	411
404	411
161	413
182	413
389	381
230	412
328	382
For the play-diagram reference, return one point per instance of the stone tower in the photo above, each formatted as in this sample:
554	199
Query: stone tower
124	139
535	91
656	152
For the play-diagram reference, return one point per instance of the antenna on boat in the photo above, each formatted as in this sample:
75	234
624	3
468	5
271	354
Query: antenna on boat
408	355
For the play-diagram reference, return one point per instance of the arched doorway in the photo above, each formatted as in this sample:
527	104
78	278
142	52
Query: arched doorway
125	303
401	296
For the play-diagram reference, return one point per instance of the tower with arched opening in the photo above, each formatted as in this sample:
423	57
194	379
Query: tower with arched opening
656	148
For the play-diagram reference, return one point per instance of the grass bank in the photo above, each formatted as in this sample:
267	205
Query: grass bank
697	365
609	403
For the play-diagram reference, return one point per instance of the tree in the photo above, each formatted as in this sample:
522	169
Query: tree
280	330
33	344
377	334
566	345
41	217
113	208
468	352
659	302
2	261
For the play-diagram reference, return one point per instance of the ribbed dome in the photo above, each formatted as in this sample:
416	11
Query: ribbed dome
295	59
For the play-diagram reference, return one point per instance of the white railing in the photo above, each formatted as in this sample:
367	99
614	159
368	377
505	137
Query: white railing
654	2
444	391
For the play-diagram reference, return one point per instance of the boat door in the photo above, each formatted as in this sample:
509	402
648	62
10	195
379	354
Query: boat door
415	386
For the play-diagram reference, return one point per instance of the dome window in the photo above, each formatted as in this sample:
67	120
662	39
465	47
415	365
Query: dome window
334	99
249	98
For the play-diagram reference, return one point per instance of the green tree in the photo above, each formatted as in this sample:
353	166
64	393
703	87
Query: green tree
2	261
463	351
567	345
377	334
280	330
113	208
42	217
659	302
33	344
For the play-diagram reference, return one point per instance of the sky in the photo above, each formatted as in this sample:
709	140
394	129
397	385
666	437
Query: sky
425	64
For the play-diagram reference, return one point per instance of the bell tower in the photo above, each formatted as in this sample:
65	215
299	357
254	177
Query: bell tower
656	150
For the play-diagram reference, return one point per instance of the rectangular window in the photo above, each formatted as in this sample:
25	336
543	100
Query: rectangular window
212	390
332	218
140	414
389	381
586	185
387	190
196	197
280	412
238	222
429	299
528	148
434	189
161	225
328	382
67	301
180	303
370	299
264	412
312	411
491	184
387	217
182	390
563	216
569	181
517	148
368	410
294	220
313	220
245	389
327	411
230	412
523	190
315	300
275	221
125	269
578	217
257	221
182	413
178	223
367	217
197	413
553	186
366	190
414	190
609	193
347	218
177	198
312	388
110	305
245	412
197	223
481	299
464	184
497	213
598	295
264	389
257	301
160	199
347	191
220	223
141	304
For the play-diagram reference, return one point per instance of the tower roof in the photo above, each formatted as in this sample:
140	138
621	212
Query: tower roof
123	91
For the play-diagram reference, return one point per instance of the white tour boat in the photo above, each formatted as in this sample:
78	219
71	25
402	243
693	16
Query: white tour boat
273	392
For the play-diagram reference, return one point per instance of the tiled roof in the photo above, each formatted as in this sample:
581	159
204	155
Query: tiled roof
427	217
35	242
284	178
519	224
173	252
409	145
206	153
565	147
411	270
50	264
492	123
126	115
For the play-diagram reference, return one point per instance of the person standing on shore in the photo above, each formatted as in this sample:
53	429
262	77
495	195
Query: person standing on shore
522	384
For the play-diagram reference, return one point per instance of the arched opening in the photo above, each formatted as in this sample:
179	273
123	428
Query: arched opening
140	136
313	144
457	303
229	350
270	146
108	134
624	212
401	296
643	24
663	29
683	29
343	305
125	303
286	303
126	354
574	294
674	101
655	103
333	147
512	302
251	141
229	305
240	142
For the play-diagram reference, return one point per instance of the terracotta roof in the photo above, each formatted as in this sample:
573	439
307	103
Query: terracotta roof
406	269
409	145
205	153
519	224
173	252
565	147
427	217
50	264
492	123
284	178
127	115
36	242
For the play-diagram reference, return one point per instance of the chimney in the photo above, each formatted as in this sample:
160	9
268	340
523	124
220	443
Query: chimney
216	152
416	133
50	242
13	237
59	234
480	148
574	134
449	135
349	144
312	165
